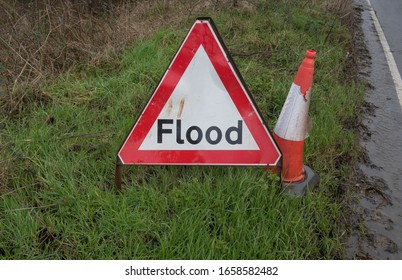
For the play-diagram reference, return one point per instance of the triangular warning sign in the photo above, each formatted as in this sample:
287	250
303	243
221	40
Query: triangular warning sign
201	112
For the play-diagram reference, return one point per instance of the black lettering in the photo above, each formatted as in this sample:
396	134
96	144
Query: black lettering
188	135
238	130
178	132
161	122
218	135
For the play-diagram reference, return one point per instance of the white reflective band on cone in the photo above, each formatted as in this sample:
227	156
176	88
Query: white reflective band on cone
293	122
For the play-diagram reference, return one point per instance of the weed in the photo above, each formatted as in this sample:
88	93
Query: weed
78	85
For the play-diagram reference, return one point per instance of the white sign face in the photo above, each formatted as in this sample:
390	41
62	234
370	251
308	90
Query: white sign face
200	112
199	115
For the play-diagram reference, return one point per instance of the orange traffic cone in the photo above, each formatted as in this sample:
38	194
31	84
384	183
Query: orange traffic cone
293	127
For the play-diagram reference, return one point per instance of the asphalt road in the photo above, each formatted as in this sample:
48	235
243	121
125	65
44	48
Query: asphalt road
389	14
381	198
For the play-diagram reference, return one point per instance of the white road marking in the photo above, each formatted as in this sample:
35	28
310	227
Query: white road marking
396	76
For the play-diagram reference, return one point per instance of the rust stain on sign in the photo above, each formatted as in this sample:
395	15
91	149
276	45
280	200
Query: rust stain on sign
169	108
181	108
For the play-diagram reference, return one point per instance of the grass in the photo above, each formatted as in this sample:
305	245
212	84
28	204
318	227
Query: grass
58	152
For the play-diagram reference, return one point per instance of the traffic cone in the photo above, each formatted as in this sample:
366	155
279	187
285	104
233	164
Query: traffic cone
293	127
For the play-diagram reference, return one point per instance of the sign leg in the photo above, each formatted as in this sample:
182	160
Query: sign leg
117	176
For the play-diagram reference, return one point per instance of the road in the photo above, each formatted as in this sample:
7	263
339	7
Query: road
389	14
381	199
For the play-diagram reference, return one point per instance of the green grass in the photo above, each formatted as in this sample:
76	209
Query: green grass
58	200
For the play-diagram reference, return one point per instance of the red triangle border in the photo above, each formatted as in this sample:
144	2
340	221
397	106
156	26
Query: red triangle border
202	32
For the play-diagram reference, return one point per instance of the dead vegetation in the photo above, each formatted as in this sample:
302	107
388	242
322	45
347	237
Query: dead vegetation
39	40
